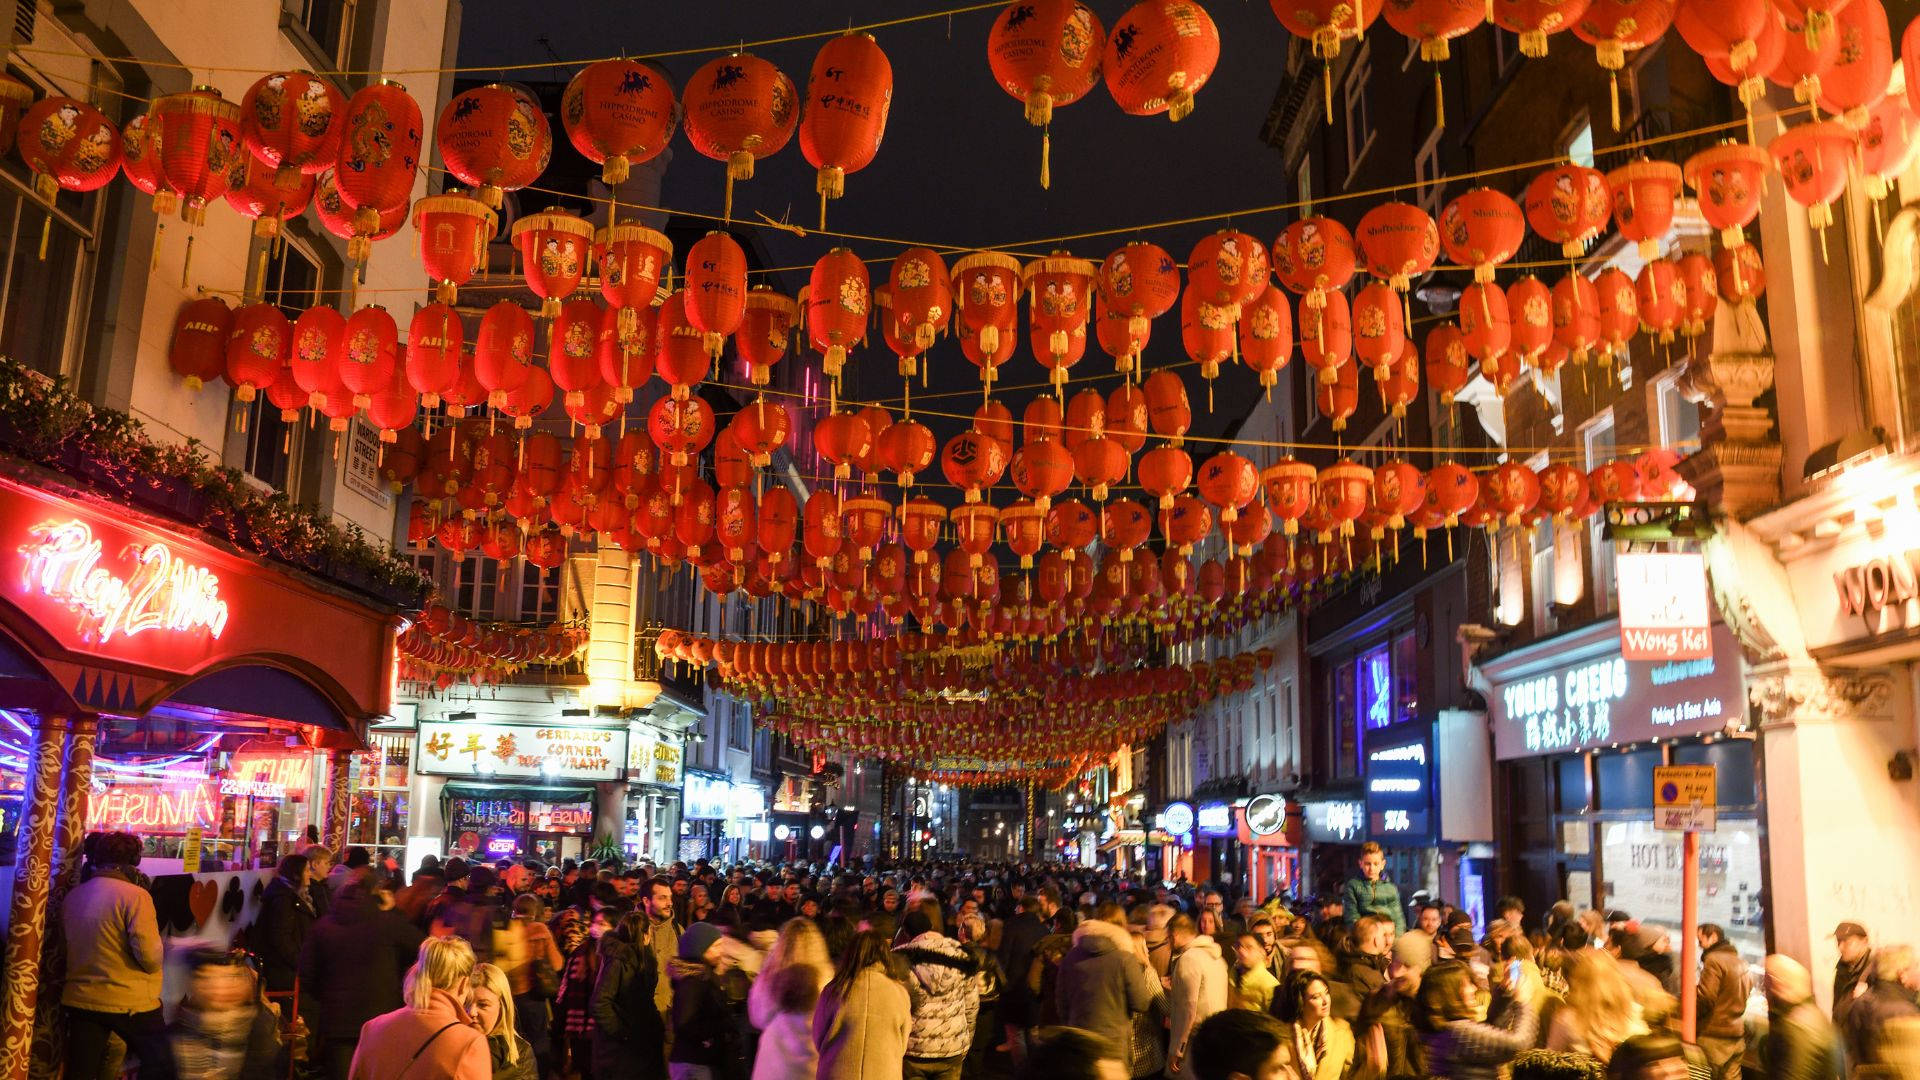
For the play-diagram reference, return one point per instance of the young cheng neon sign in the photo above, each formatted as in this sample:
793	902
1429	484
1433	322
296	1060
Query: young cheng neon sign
163	593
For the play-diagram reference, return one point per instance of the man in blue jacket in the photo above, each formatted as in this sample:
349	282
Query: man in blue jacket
1372	894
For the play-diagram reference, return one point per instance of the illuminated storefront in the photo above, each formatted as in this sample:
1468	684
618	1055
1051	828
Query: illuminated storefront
1268	828
523	790
1578	729
656	763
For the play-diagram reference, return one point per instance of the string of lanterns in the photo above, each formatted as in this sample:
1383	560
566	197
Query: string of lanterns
443	647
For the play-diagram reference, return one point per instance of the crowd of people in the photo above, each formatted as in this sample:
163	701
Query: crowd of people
471	971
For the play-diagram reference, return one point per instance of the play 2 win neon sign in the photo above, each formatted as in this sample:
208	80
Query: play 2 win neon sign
160	591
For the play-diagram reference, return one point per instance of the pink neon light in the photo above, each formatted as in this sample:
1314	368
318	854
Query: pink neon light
163	593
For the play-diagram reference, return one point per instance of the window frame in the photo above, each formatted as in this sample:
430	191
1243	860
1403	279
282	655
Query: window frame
1353	92
1602	566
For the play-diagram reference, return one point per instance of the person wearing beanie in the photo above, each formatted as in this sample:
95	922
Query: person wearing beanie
704	1043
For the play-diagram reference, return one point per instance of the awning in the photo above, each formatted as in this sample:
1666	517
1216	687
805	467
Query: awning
462	789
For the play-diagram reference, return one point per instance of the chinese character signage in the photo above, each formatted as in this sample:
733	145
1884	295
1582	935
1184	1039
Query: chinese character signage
1399	793
1342	821
651	759
1576	697
1373	690
460	748
1664	614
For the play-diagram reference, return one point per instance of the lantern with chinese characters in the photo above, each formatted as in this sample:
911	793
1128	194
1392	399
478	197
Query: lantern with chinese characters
1513	489
1569	205
1887	143
141	161
1486	324
1046	53
681	428
922	295
1859	76
1266	335
292	121
198	133
1042	468
1159	55
1379	330
1533	20
379	157
494	138
1313	256
1399	242
618	114
503	350
1695	277
435	342
1207	331
317	336
1482	229
837	303
1619	308
368	353
1061	291
631	258
1813	159
1326	337
1563	487
1342	491
573	341
845	116
454	231
1576	315
987	287
68	145
765	331
257	348
739	108
1138	282
1617	27
1229	482
1448	366
972	462
1398	490
820	527
1530	314
1729	180
1643	196
716	291
693	518
1337	400
200	332
1803	57
554	247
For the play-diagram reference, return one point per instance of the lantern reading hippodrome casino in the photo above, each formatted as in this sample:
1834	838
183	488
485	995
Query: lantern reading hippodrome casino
494	138
618	113
1046	53
739	108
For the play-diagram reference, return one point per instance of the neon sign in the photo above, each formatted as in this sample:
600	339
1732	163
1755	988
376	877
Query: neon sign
143	808
258	789
163	593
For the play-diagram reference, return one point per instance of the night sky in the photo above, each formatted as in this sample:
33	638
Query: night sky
959	164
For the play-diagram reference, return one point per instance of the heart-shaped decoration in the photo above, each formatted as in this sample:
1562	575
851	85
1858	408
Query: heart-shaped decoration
202	898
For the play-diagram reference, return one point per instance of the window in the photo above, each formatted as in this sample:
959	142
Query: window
1679	418
379	814
1506	50
739	725
330	23
1374	691
1359	121
476	588
42	298
1540	572
1426	173
539	593
1579	144
1303	185
1598	437
291	283
1346	734
1406	678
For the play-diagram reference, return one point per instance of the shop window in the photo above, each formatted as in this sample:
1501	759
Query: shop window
1625	780
1732	760
1570	785
1579	145
1359	119
380	794
42	301
1597	437
1406	679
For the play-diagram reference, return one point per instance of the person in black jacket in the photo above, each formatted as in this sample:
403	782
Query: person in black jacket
278	932
1017	939
703	1027
1801	1043
351	968
629	1038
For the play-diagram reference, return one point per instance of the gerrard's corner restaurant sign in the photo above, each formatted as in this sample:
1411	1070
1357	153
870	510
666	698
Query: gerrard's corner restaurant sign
520	751
1579	691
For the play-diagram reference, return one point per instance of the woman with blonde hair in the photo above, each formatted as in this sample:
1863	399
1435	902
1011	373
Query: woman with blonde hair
800	942
432	1037
1600	1013
509	1051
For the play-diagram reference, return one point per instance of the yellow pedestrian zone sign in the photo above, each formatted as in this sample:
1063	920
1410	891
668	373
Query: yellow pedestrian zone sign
1685	798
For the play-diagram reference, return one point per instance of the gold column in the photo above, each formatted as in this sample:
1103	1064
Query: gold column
32	878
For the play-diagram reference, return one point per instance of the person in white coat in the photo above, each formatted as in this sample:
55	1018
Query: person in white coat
786	1041
1199	989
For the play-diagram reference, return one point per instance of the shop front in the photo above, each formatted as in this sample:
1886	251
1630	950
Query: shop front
706	804
1578	730
1216	843
520	790
1170	843
656	762
1333	830
1268	828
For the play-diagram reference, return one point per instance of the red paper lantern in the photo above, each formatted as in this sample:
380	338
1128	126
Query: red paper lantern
199	347
631	258
1739	274
1228	269
1401	387
392	410
922	296
1812	159
778	520
1619	308
1399	242
1342	491
1165	472
554	247
1513	489
343	221
198	133
379	158
1313	256
1659	294
1379	330
1530	314
1071	527
1482	229
971	461
1139	282
1338	400
848	94
1042	468
68	145
368	355
837	304
1728	30
739	108
1432	23
1697	292
1617	27
987	287
716	292
1326	337
906	448
765	331
1729	180
820	526
1576	315
1569	205
1859	76
1533	20
454	232
141	163
1229	482
1451	491
1448	366
618	113
1616	481
1887	144
317	340
1207	331
1061	291
531	398
1562	488
842	438
682	428
1326	23
573	341
1643	198
254	192
1486	323
624	354
494	138
292	121
1045	53
1160	54
1266	336
503	351
257	348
